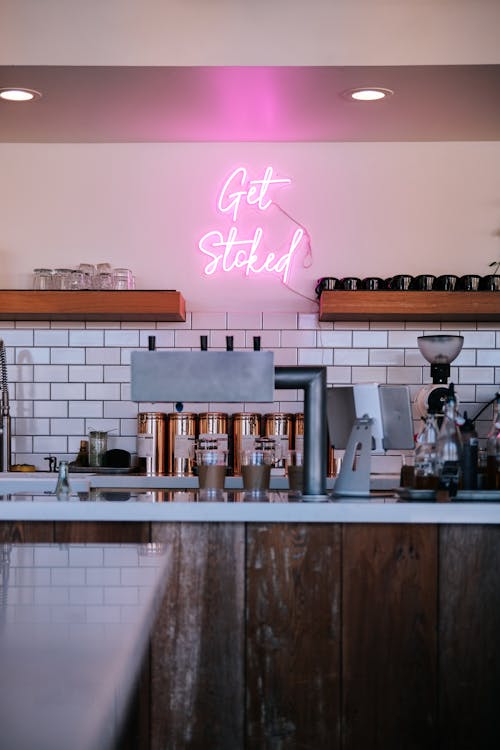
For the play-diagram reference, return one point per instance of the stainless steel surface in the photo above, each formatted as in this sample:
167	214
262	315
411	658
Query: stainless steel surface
202	376
354	476
313	381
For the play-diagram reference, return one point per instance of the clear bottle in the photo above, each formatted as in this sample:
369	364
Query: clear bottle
493	449
63	487
425	472
449	446
470	454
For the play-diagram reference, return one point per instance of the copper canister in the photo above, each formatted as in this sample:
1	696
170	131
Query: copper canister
151	447
298	436
246	427
331	461
298	432
214	425
280	427
181	440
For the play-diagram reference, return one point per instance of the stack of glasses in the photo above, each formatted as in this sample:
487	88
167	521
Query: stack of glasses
86	276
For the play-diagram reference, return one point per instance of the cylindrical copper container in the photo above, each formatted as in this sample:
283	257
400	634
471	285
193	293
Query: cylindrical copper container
331	461
181	439
214	425
151	447
298	436
280	427
298	432
246	427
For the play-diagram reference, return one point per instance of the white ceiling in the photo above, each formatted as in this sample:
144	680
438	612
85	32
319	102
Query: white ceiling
206	103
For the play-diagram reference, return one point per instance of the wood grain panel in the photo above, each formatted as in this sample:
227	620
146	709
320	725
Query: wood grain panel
412	305
198	644
101	532
134	305
469	575
293	637
135	733
29	532
389	636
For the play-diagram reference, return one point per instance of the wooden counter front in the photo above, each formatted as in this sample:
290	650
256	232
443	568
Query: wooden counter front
317	635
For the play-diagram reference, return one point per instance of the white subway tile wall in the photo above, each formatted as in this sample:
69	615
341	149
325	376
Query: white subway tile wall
68	378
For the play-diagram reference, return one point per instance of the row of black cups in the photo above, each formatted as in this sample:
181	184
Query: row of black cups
403	282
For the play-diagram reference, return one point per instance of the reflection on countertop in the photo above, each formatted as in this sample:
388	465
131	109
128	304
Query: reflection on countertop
75	623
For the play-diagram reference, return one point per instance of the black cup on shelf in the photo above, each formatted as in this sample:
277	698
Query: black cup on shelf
350	283
424	282
327	284
448	282
490	283
470	282
401	282
373	283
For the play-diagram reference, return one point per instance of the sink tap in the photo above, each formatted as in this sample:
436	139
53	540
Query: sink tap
5	431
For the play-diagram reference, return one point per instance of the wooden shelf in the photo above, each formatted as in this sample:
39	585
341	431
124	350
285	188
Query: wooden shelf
389	305
136	305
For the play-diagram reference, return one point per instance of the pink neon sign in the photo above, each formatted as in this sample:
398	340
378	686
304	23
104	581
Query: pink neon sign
230	251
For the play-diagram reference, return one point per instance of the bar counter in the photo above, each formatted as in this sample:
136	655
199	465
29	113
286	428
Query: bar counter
303	625
187	506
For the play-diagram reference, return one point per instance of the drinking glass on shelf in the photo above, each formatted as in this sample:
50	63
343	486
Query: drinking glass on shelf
104	268
42	278
62	278
88	270
123	278
103	280
76	280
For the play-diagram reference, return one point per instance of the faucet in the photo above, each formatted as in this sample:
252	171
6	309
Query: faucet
5	431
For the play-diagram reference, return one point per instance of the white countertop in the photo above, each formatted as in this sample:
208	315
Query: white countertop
75	622
235	507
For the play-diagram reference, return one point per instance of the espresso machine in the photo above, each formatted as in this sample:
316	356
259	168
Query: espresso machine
235	377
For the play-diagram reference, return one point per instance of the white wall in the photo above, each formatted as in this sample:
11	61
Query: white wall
370	209
249	32
66	379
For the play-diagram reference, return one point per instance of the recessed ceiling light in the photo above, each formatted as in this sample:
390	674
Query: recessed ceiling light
368	94
19	95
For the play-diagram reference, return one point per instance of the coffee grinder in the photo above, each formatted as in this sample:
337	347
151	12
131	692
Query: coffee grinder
440	351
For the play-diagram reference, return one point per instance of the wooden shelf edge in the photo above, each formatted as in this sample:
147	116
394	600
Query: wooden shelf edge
134	305
389	305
